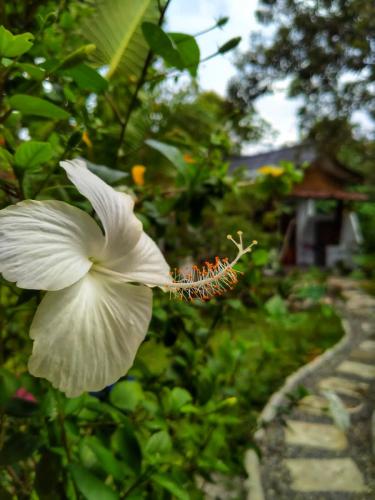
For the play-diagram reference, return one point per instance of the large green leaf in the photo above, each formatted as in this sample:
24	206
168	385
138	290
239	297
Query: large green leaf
29	105
33	153
160	43
87	78
260	257
188	49
173	154
105	456
178	397
159	443
14	45
177	49
229	45
90	486
125	442
169	484
116	31
126	394
275	306
34	71
109	175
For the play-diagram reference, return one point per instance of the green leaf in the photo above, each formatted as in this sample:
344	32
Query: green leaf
229	45
178	397
33	153
313	291
235	304
173	154
159	443
29	105
87	78
160	43
155	356
90	486
167	482
6	159
8	385
126	395
125	442
36	72
259	257
115	29
19	447
275	306
105	458
74	405
108	175
14	45
87	457
74	140
188	49
77	57
212	463
222	21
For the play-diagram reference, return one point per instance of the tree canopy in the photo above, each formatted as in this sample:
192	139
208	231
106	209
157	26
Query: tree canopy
324	49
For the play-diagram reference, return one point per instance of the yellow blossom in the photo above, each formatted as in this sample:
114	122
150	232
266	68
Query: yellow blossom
138	174
188	158
272	170
86	139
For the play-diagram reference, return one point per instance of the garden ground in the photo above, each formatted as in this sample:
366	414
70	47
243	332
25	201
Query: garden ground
305	455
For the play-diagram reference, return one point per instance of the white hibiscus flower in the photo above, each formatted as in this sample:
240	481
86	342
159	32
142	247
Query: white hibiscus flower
98	305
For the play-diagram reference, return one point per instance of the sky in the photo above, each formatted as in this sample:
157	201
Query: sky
193	16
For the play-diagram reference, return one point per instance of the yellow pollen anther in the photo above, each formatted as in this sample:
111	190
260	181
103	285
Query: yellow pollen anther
210	280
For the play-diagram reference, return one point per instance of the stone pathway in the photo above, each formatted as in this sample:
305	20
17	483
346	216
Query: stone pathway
305	455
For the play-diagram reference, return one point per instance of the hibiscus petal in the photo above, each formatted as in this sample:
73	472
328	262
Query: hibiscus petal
115	210
144	264
86	336
46	245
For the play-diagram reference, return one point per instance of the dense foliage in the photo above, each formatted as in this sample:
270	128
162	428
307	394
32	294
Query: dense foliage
325	48
188	407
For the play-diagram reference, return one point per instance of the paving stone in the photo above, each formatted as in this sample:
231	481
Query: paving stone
367	345
316	405
362	355
367	327
254	481
358	302
344	386
323	436
319	405
358	369
325	475
342	283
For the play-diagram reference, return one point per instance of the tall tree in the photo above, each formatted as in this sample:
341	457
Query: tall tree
326	50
